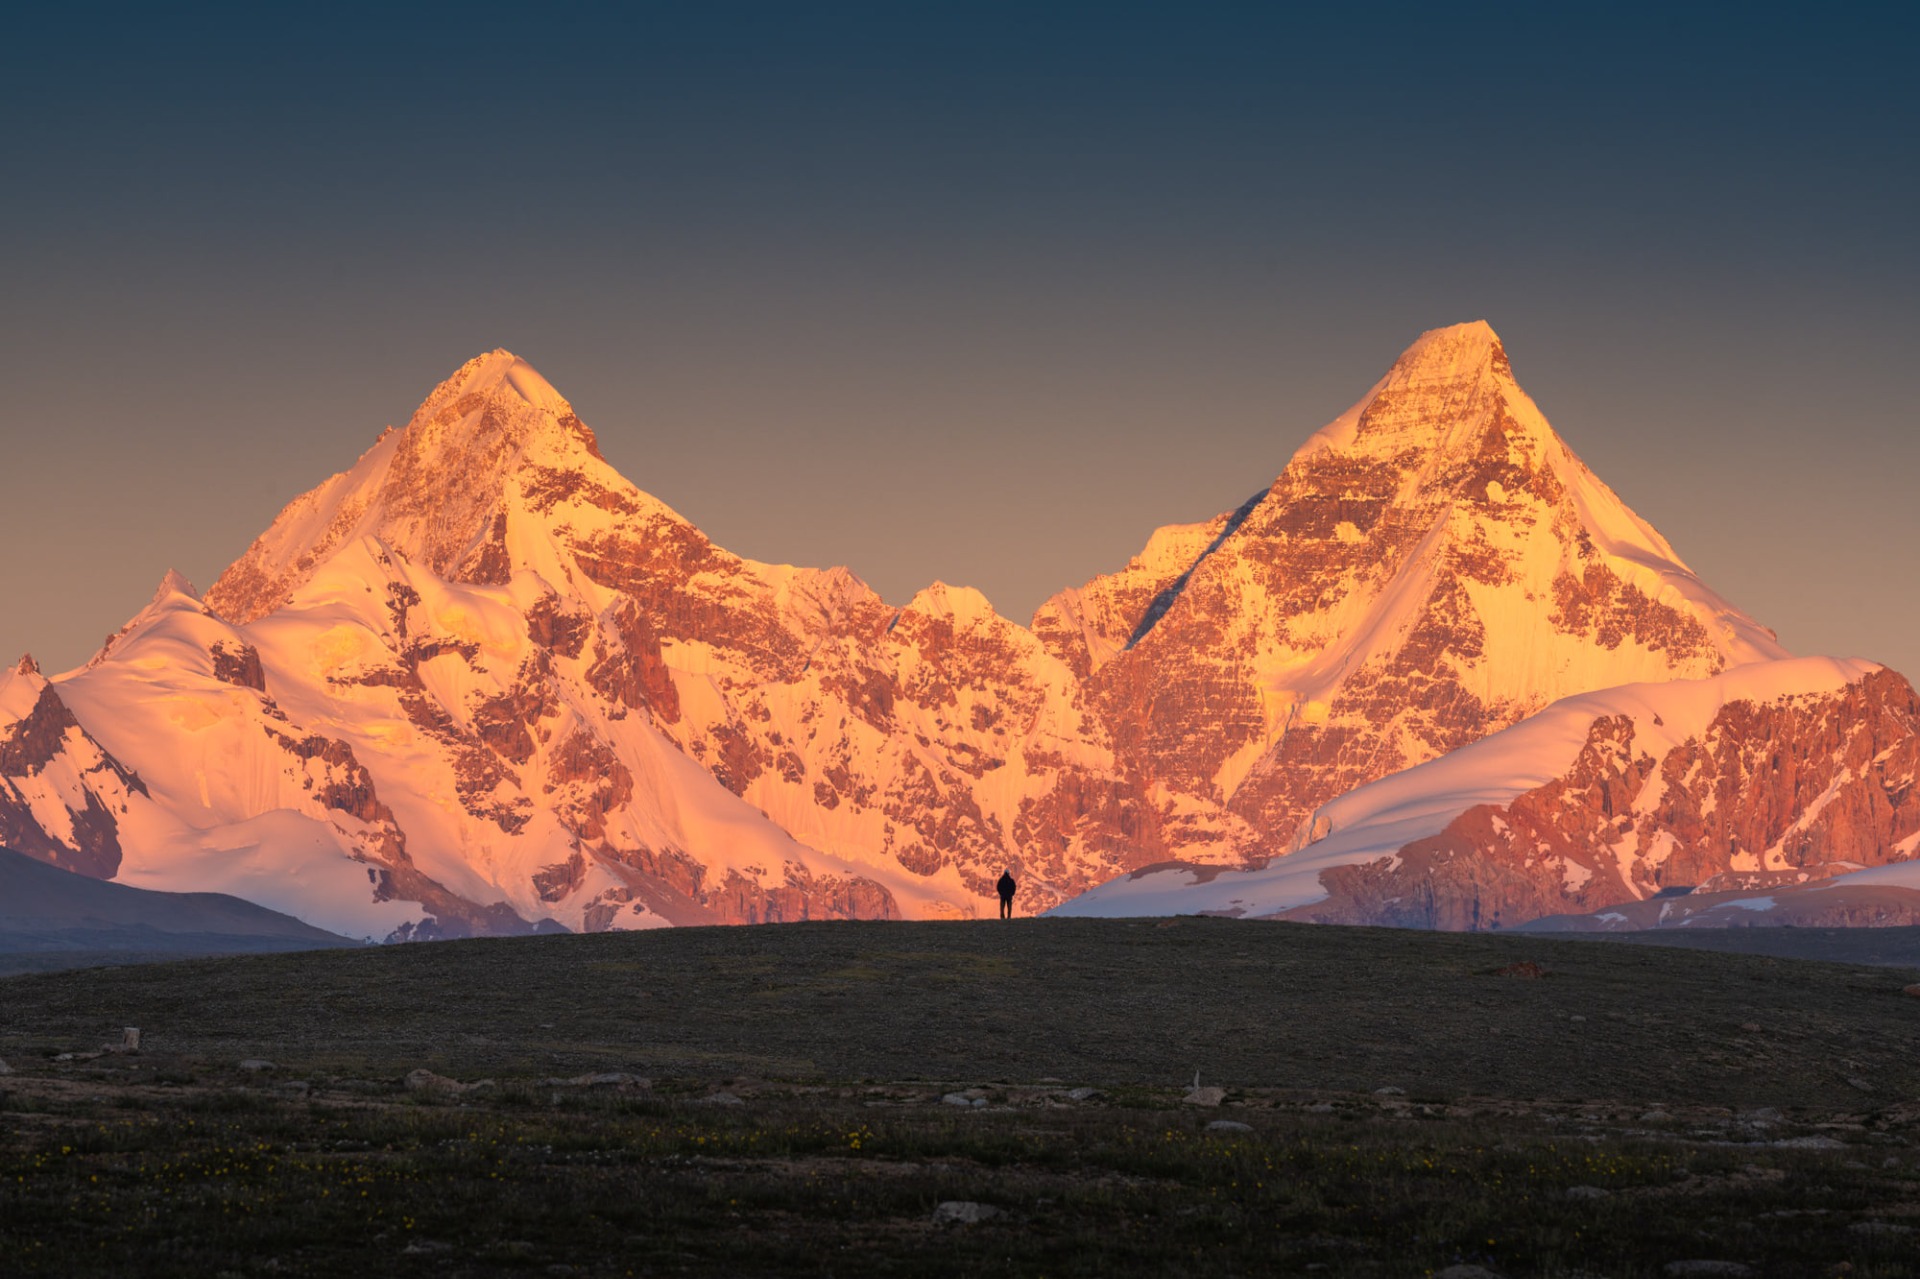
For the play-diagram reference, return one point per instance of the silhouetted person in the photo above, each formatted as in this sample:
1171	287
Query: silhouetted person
1007	889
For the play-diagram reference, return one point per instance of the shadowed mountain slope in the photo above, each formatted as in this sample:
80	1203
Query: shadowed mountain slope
44	908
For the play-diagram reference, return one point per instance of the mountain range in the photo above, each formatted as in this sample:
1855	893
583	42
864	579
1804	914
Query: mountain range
481	683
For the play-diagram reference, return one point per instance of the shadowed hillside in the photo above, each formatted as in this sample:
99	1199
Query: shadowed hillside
51	918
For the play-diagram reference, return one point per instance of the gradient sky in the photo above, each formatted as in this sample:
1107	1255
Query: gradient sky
979	292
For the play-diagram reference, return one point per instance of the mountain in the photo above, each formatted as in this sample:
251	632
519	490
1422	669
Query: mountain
44	908
1748	789
482	683
1432	566
480	679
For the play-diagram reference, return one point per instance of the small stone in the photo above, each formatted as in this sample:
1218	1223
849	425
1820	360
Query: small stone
5	1069
1913	990
1854	1081
1732	1269
1655	1117
1809	1143
255	1065
1319	1108
63	1056
722	1099
956	1099
1883	1229
1208	1096
1576	1017
425	1248
130	1039
1587	1192
1466	1272
1228	1125
425	1081
1082	1094
1750	1027
1390	1091
963	1212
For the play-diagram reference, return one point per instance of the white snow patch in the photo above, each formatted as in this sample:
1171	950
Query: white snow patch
281	860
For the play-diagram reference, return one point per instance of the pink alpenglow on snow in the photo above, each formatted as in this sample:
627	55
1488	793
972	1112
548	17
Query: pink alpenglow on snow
1771	775
482	683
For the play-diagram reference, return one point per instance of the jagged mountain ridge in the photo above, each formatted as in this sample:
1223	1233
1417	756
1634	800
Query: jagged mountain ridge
506	685
1772	776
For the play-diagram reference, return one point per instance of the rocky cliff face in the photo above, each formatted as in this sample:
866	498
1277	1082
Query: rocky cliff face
1770	794
61	795
1433	566
1770	776
480	680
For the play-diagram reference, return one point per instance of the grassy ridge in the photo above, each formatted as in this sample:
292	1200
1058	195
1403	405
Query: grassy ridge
1755	1111
1095	1001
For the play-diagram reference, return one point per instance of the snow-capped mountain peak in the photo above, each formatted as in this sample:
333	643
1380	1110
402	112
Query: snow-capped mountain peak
480	681
1431	566
498	394
470	488
172	583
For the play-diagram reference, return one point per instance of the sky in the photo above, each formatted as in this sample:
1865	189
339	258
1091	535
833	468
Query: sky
979	292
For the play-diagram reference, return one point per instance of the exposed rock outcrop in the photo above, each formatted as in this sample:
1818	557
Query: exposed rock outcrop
1772	793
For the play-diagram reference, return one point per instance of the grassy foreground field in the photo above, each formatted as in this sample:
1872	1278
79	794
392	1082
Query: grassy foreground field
790	1100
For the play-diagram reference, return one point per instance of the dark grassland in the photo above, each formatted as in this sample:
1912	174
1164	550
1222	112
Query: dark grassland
771	1102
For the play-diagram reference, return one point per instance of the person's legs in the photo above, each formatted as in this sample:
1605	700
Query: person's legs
1006	908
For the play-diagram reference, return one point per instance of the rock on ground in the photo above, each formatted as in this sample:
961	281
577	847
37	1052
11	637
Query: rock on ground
425	1081
963	1212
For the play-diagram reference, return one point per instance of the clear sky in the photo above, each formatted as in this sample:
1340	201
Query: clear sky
979	292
